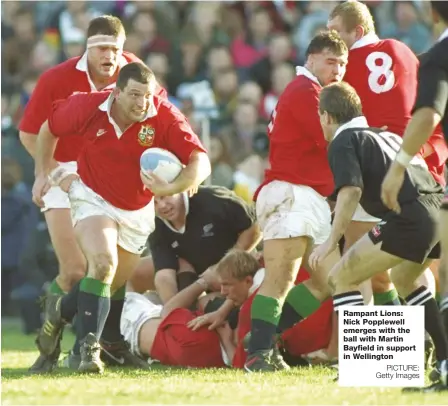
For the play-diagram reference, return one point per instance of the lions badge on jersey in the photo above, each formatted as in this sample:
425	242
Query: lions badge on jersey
146	136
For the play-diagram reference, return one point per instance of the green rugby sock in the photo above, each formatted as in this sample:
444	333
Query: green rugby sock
55	288
93	306
389	298
265	315
111	332
299	304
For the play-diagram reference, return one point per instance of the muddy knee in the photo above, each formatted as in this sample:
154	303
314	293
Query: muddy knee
102	267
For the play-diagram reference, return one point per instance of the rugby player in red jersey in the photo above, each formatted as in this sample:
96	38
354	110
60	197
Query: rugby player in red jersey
111	201
95	70
291	206
384	74
240	276
161	332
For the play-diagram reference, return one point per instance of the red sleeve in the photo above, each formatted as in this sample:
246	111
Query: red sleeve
437	142
39	105
305	111
179	137
69	116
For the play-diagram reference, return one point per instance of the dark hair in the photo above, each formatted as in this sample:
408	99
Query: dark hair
327	40
340	101
214	304
106	25
441	8
136	71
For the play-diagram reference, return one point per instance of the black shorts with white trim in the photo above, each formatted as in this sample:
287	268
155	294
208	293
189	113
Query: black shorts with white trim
412	234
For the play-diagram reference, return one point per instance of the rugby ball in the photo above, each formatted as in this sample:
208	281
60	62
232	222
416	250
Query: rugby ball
163	163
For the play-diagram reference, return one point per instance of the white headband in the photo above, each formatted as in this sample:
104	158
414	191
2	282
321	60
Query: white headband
105	40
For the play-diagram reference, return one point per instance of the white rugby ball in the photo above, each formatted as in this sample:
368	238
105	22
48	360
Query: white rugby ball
162	162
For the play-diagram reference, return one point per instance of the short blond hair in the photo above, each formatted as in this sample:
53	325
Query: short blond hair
354	13
238	264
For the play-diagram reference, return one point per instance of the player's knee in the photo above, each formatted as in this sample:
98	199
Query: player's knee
402	282
163	279
341	277
102	267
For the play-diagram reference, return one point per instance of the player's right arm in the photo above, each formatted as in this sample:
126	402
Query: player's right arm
37	110
166	264
66	117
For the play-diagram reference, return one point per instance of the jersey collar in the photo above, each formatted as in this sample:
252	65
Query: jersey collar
187	210
302	71
83	67
369	39
357	122
443	36
107	105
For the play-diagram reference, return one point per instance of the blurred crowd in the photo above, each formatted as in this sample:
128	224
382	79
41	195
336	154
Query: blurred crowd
223	63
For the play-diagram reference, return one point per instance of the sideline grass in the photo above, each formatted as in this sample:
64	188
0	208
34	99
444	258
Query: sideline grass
179	386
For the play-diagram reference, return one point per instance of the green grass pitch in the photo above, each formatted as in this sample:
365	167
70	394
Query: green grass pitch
161	385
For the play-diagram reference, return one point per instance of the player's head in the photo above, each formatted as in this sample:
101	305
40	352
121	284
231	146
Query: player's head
352	20
236	272
171	208
440	12
134	91
326	57
338	104
105	40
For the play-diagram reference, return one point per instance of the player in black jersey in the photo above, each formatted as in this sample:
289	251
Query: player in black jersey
431	108
405	241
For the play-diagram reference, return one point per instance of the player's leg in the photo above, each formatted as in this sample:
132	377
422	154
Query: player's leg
169	282
406	278
115	351
291	217
98	238
383	290
142	279
72	263
443	276
305	298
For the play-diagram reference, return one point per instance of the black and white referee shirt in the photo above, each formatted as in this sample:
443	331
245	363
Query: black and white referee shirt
360	156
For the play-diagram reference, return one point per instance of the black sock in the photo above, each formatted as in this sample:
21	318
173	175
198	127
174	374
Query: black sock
353	298
93	306
111	332
299	304
185	279
265	314
433	321
69	303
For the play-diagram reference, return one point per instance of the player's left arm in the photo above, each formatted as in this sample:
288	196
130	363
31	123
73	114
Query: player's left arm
186	297
432	96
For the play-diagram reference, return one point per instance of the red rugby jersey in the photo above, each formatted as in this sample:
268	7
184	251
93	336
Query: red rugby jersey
60	82
384	73
109	162
297	147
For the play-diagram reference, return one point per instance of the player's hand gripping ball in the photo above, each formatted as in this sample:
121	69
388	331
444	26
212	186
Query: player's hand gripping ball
162	163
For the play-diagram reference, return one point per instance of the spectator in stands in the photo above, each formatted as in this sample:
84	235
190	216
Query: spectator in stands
279	52
408	28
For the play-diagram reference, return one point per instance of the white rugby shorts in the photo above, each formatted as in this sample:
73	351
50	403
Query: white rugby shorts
285	210
56	198
362	216
137	310
134	226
